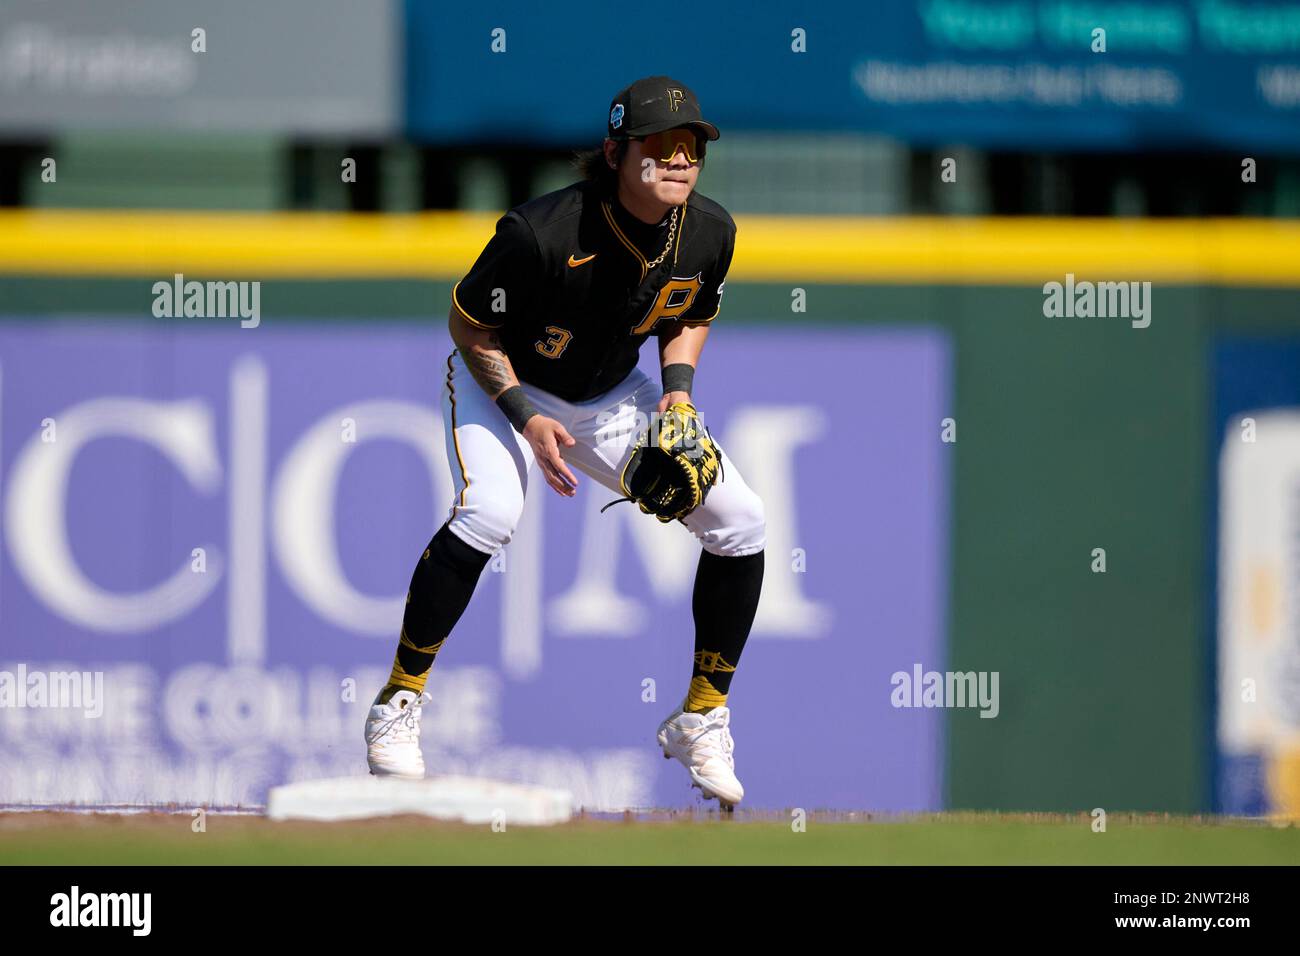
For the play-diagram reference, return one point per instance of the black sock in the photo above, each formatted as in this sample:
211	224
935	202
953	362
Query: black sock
725	599
441	587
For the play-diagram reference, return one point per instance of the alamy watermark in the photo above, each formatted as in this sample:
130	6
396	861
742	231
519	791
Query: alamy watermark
922	688
72	690
208	300
133	911
1103	300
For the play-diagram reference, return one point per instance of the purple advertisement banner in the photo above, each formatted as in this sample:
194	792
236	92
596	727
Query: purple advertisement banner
208	533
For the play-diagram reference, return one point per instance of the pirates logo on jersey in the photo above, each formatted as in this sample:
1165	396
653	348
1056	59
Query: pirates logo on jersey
672	301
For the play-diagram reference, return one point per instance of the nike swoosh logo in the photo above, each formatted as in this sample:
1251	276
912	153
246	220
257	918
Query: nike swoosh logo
577	262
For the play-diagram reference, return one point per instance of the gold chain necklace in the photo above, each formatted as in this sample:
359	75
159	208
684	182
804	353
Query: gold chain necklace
672	231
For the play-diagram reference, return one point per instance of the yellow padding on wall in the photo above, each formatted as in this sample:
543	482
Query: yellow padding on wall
769	248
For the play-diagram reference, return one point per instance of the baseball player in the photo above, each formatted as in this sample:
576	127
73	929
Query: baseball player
543	382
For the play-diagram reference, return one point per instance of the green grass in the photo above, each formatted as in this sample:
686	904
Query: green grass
66	839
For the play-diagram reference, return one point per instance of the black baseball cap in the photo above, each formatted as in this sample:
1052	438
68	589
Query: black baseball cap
655	104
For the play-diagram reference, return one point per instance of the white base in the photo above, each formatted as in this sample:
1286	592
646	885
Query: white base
465	799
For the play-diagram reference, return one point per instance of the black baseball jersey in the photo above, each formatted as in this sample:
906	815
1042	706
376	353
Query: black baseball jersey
568	283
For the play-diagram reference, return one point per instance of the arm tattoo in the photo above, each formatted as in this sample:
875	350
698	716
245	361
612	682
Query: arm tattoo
490	367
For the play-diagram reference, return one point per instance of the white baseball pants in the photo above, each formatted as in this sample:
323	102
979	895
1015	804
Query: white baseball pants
491	462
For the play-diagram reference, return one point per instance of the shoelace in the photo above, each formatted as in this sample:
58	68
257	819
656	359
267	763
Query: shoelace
714	739
404	726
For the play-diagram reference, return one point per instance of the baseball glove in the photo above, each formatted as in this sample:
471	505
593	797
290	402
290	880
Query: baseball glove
673	465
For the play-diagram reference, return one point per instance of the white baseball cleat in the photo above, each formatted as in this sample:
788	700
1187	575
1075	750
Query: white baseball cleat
393	736
703	744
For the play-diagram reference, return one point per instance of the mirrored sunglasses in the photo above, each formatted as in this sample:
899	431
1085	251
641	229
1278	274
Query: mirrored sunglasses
663	146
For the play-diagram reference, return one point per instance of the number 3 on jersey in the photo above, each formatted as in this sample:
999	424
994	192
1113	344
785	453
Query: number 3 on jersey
554	347
672	302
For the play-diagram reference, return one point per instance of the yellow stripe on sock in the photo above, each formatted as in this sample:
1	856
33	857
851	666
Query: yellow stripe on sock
414	682
703	696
